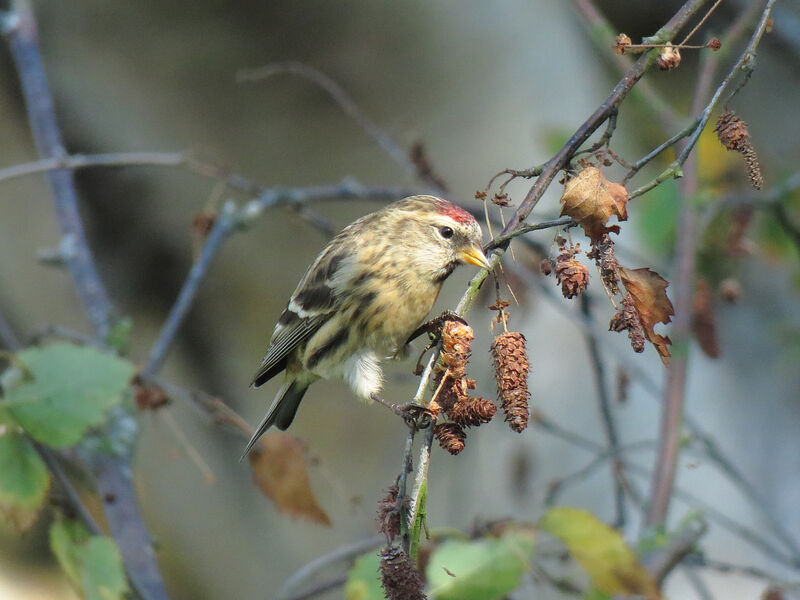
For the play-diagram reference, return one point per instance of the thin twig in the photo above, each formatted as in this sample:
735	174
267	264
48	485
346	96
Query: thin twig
748	535
51	459
743	64
220	231
320	588
309	571
527	228
701	561
559	486
707	446
342	98
602	34
609	425
83	161
700	24
637	166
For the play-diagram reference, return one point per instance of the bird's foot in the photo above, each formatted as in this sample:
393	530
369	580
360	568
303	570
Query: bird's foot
415	416
434	326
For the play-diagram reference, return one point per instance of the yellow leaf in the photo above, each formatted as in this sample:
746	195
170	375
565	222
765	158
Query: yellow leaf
600	550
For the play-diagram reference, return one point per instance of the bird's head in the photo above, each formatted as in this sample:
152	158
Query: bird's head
434	236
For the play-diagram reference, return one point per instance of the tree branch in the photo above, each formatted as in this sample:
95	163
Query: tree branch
127	526
609	106
24	45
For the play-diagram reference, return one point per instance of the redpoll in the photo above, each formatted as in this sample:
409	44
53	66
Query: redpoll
361	299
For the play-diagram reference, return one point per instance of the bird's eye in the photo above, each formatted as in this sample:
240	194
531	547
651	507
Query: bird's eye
446	232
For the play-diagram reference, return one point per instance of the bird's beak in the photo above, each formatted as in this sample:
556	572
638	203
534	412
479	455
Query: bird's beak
475	256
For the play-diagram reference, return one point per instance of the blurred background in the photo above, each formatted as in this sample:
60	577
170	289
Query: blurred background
484	86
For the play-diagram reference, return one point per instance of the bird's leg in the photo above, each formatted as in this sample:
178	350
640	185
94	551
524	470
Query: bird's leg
417	417
434	326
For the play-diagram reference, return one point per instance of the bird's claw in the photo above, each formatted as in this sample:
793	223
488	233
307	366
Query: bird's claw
434	326
415	416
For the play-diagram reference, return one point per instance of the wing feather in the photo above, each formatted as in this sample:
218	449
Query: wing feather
313	302
285	340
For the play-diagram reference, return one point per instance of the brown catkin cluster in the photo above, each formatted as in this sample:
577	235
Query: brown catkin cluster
511	373
628	318
388	515
571	275
453	389
399	576
733	134
450	436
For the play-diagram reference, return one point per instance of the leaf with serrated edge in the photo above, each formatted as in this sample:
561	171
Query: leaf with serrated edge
649	292
279	469
600	550
68	390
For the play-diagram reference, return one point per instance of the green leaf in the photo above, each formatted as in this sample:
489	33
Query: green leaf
69	390
24	479
363	580
479	570
600	550
92	563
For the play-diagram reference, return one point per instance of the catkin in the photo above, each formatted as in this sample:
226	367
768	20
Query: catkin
511	373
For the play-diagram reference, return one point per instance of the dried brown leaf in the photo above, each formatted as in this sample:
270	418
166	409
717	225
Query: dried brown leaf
648	291
592	200
279	470
703	322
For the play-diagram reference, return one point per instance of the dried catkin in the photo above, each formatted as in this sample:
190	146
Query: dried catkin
456	347
471	412
571	275
388	515
399	576
511	373
450	436
733	134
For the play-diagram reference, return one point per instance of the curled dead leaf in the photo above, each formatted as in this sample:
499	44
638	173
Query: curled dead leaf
592	200
703	322
279	470
648	290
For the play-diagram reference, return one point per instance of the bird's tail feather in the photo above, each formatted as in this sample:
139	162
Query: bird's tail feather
281	413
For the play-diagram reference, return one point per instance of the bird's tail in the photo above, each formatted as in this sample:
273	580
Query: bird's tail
281	413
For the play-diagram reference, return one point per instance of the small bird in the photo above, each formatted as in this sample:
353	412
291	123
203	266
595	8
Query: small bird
364	295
